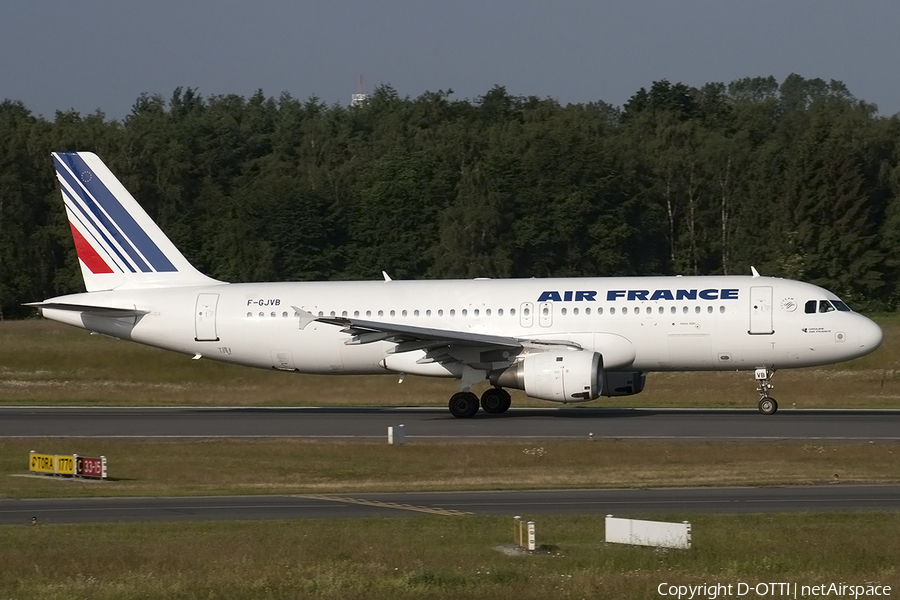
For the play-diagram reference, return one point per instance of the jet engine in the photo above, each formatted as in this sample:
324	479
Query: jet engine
565	376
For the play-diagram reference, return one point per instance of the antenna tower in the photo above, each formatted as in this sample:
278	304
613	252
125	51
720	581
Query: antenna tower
360	96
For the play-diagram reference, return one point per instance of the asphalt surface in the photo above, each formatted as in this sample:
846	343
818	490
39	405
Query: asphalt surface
438	424
621	503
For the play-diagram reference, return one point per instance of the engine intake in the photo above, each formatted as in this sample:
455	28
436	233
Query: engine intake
567	376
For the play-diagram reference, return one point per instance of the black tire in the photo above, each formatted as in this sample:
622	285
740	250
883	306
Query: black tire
463	405
507	402
768	406
495	401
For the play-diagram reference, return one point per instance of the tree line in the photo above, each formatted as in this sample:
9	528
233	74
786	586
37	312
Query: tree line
798	178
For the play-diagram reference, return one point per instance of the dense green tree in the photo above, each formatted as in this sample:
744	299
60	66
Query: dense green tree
797	178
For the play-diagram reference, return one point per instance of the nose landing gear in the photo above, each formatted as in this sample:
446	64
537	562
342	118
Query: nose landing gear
767	404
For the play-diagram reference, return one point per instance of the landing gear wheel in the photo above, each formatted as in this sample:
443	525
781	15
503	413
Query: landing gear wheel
767	405
495	401
463	405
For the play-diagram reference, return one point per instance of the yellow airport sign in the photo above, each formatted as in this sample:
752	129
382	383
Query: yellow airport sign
65	465
42	463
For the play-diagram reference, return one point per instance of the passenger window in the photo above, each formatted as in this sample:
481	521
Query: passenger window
697	309
709	309
264	314
673	310
512	312
440	312
380	313
404	312
465	312
600	311
393	313
661	310
344	314
574	311
284	315
428	313
475	312
487	313
368	313
612	310
563	311
452	312
810	307
499	312
685	310
587	311
355	313
415	313
722	309
250	314
527	311
625	310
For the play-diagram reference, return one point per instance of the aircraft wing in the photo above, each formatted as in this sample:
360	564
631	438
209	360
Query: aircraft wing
445	346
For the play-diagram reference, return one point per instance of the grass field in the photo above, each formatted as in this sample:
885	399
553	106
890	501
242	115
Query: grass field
42	362
211	467
437	558
423	556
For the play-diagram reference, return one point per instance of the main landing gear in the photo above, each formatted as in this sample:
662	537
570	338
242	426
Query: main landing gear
494	401
767	404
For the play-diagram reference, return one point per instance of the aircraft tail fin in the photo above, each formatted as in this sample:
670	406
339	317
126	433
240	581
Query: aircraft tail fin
118	244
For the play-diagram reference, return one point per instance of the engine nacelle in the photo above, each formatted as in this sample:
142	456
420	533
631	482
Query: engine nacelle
623	383
565	376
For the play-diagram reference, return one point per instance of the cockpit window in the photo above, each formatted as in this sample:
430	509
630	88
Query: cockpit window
840	306
825	306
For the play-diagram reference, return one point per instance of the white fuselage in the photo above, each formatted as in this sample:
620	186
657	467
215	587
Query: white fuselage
713	323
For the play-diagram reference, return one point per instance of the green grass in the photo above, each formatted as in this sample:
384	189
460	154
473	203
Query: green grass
435	557
211	467
423	556
46	363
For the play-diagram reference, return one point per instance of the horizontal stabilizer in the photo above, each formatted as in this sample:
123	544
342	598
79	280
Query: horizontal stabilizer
106	311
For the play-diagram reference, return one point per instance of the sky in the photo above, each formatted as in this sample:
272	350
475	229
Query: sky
90	55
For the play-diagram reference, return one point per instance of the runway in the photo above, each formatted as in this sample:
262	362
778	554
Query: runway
622	503
438	424
425	424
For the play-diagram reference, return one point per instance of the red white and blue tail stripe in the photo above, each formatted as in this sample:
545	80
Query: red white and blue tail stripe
118	244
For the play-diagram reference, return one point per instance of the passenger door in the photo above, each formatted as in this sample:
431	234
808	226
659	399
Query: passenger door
205	318
761	311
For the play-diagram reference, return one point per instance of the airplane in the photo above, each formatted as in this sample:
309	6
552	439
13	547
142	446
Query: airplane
559	339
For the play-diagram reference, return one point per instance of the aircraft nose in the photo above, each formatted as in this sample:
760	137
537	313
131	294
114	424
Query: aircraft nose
870	335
